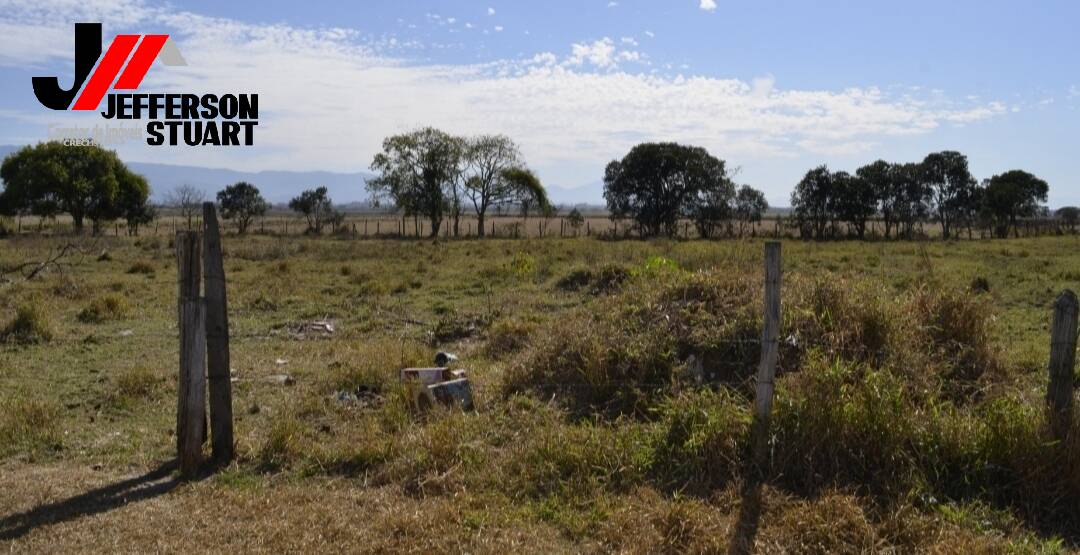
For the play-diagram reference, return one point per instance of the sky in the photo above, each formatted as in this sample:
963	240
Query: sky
773	87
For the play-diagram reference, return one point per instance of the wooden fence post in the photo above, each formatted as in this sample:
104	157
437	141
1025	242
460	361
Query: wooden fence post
217	341
763	394
191	401
1059	393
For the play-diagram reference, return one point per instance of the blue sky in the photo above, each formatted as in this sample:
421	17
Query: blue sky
773	87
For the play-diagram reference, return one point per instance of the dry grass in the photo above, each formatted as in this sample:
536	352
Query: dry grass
30	325
907	418
104	309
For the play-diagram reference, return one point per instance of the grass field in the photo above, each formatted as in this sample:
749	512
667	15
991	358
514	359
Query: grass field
908	413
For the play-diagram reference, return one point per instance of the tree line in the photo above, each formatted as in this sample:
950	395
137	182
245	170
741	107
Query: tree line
938	189
433	175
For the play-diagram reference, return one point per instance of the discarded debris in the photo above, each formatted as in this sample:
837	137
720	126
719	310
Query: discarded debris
453	393
695	370
439	385
426	376
282	379
281	361
126	333
325	326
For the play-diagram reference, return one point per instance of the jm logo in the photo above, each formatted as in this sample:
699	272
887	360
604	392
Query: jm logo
99	73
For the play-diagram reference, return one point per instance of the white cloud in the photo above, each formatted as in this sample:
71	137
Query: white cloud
599	53
1074	91
650	34
708	5
613	4
342	94
491	11
498	28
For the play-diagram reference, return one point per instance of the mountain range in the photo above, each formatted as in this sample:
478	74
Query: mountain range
280	186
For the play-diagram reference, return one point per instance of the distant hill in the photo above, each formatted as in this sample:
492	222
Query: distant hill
591	194
276	186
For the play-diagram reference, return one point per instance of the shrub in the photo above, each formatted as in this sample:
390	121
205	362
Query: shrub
27	425
103	309
137	382
284	444
30	325
506	337
606	279
141	267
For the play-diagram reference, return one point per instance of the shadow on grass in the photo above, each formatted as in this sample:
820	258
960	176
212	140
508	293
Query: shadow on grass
156	482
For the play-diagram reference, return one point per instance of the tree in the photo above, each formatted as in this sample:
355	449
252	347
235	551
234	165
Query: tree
749	207
133	201
418	171
242	202
855	202
486	159
531	193
813	200
656	183
187	200
913	199
575	219
86	182
1010	196
315	206
1069	216
947	176
881	177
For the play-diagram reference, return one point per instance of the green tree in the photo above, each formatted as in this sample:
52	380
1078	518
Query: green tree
856	201
1010	196
947	176
749	207
485	161
241	202
315	206
1069	216
531	194
49	178
575	219
882	179
656	183
133	200
813	201
418	171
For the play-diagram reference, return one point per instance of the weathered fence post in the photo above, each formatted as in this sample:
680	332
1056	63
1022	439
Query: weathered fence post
742	540
217	341
191	400
1059	393
763	394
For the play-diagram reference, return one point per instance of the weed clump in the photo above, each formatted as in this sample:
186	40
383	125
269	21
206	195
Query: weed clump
138	382
104	309
606	279
30	325
507	336
28	425
141	267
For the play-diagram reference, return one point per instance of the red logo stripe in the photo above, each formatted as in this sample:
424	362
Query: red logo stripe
140	61
106	71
